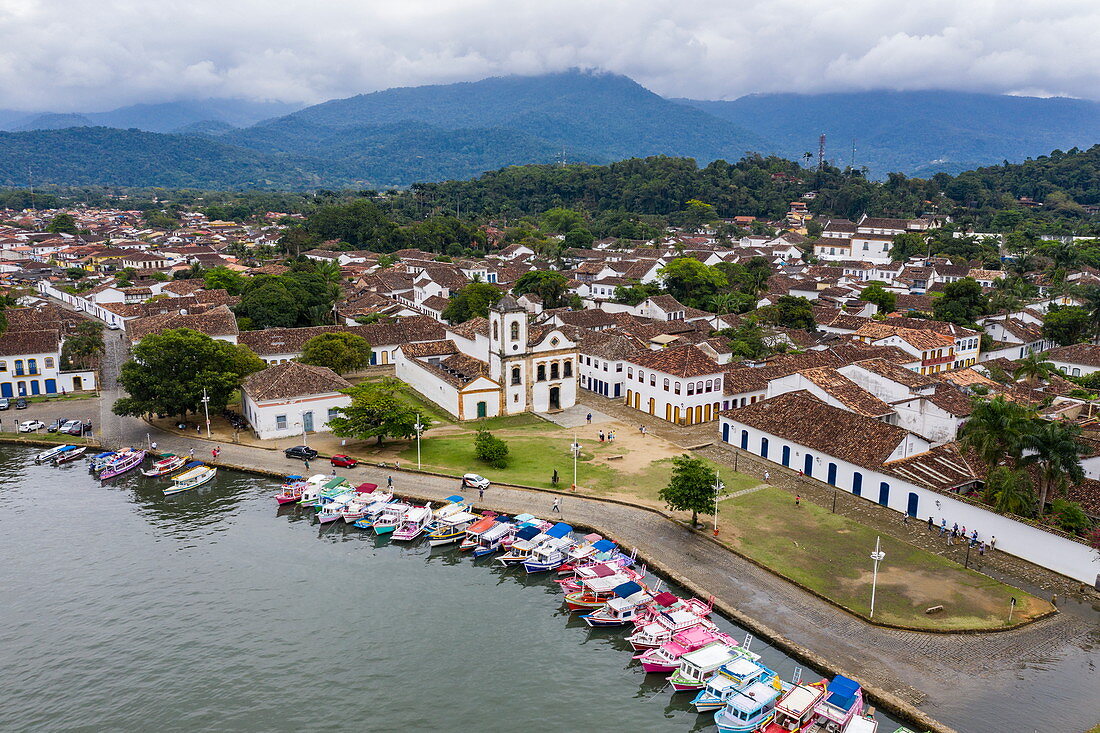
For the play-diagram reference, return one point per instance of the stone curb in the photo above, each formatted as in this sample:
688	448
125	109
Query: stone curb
886	700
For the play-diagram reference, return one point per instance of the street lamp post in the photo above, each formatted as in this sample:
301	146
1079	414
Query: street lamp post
575	449
206	409
877	556
718	486
419	427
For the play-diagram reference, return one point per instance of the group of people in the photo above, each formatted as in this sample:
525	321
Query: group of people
957	535
610	437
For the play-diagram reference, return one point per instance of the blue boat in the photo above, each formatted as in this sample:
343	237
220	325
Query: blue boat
551	553
732	679
492	539
750	710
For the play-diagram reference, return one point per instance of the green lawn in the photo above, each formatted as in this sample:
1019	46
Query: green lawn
532	461
831	555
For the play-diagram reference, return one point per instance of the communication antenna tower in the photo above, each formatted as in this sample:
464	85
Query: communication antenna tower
821	152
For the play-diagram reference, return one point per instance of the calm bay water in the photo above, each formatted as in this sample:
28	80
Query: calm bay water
126	610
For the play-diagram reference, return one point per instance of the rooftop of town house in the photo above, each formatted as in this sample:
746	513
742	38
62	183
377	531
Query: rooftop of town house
848	393
679	361
292	379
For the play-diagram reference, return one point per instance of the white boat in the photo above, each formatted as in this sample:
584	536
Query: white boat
166	464
332	509
388	519
359	505
414	523
196	474
69	456
312	493
451	529
50	453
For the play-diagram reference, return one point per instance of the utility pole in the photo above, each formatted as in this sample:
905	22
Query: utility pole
419	428
877	556
821	152
206	409
576	449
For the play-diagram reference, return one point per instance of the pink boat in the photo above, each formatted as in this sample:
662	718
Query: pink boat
667	602
123	462
662	628
665	659
292	492
598	570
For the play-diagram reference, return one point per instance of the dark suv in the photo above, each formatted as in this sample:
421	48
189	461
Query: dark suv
301	452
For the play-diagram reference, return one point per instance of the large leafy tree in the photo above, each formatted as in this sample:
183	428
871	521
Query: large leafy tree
169	371
550	286
1033	369
83	345
1055	449
269	303
342	352
906	245
691	487
224	278
1065	326
1091	298
376	411
691	282
63	224
790	311
880	296
962	302
472	301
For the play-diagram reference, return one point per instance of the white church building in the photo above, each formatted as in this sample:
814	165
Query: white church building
501	365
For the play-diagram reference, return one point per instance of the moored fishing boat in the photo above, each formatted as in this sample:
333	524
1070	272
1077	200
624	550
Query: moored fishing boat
413	524
700	665
595	592
660	629
99	460
69	456
493	539
50	453
452	505
794	711
620	610
311	494
121	463
549	555
666	603
749	711
291	490
523	542
475	530
451	529
865	723
196	475
332	509
666	658
734	678
389	517
165	464
843	701
357	508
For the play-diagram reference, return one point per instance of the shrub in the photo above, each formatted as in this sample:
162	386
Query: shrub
1070	516
490	449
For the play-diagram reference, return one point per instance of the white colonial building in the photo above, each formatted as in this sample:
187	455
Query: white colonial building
496	366
291	399
680	383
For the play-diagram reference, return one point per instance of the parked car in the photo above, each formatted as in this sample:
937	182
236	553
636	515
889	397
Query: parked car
55	425
344	461
76	427
301	452
21	404
473	481
29	426
5	403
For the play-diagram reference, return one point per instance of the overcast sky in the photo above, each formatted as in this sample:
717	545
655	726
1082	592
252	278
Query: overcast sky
92	55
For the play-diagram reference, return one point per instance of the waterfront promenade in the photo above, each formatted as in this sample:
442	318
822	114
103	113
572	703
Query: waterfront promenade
948	677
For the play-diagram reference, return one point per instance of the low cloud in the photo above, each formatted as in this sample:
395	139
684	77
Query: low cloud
80	55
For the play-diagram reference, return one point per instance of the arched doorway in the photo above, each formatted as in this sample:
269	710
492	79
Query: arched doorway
832	474
482	409
808	465
555	398
763	447
884	493
786	456
652	406
725	432
78	384
857	483
911	510
630	398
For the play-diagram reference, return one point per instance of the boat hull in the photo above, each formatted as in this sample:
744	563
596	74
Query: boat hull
448	539
533	566
180	489
287	499
603	623
659	667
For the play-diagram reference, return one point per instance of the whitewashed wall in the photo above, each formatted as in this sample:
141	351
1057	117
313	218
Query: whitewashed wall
428	384
1043	548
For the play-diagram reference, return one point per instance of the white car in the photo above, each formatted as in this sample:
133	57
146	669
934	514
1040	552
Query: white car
474	481
29	426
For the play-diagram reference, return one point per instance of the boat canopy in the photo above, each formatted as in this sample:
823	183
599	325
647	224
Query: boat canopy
603	585
602	571
712	656
604	546
560	529
417	514
193	464
459	518
334	482
527	533
290	476
496	532
554	544
525	517
366	488
756	696
627	589
800	699
455	499
842	692
481	525
665	599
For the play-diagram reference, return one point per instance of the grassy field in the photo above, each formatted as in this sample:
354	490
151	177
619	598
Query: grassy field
831	555
533	459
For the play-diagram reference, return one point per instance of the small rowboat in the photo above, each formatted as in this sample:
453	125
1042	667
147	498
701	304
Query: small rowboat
50	453
196	474
69	455
166	464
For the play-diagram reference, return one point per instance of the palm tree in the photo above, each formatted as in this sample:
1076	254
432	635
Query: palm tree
1091	297
1055	449
1010	491
329	270
1033	369
996	430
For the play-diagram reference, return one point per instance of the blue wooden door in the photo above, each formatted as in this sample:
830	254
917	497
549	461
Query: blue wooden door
857	484
5	390
725	432
34	386
911	510
785	459
744	440
51	386
307	421
763	447
808	465
884	494
832	474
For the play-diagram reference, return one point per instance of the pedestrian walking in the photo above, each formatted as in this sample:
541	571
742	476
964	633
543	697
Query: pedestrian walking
306	462
554	478
981	548
198	430
191	453
153	445
589	418
905	518
601	436
389	481
955	529
480	492
644	431
397	465
930	524
797	500
611	436
767	475
974	538
993	543
214	454
557	505
943	527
